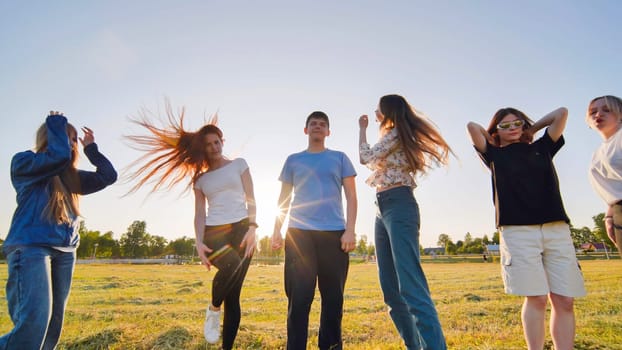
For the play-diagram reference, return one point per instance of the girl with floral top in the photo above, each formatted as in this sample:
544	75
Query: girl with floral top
409	145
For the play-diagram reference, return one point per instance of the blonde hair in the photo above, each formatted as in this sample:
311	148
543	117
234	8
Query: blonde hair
64	202
614	104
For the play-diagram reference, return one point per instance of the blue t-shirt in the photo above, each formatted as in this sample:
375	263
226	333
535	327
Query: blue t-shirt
317	181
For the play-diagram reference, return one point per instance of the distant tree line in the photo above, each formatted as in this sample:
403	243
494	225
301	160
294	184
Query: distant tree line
136	242
579	236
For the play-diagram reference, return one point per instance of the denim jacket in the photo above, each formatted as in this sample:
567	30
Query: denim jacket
31	175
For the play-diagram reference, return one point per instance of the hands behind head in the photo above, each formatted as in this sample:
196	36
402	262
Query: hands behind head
56	113
527	135
88	138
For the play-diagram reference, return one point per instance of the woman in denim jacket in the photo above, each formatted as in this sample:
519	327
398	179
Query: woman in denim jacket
43	237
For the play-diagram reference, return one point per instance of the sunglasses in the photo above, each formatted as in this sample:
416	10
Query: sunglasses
511	125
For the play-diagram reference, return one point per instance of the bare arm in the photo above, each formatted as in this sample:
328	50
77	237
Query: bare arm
284	203
348	239
199	227
609	224
363	123
556	121
479	136
249	237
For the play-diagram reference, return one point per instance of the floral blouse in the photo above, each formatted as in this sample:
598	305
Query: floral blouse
388	161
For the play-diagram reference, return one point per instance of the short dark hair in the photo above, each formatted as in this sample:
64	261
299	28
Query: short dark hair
317	115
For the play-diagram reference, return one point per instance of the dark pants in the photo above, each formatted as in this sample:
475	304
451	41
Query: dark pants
310	257
617	222
228	257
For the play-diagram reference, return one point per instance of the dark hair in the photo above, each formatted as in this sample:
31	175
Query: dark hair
504	112
422	142
172	154
317	115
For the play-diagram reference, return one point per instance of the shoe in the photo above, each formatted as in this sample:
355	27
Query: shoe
211	327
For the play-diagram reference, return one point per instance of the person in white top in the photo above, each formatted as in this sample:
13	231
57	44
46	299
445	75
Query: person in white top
604	115
225	227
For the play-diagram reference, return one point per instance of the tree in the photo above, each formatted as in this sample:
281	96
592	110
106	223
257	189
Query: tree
361	246
182	247
468	239
107	246
135	242
581	235
157	246
495	238
443	241
485	240
371	250
265	249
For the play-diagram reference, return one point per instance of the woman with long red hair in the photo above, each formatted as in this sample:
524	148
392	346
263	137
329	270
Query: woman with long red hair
225	232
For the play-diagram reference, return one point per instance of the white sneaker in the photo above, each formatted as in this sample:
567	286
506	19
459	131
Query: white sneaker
211	327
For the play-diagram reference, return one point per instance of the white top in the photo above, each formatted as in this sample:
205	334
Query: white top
606	169
225	195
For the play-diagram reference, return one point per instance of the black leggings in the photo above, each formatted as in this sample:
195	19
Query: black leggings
617	224
228	257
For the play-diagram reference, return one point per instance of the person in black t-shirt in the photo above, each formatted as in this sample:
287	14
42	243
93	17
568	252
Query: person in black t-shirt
537	255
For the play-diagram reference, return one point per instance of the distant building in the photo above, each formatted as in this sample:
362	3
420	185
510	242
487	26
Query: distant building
434	251
492	249
593	247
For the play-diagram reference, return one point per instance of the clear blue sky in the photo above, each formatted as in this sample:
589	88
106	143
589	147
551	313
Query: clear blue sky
265	65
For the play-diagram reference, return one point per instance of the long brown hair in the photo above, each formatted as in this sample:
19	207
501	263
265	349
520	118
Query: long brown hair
64	201
422	142
504	112
172	154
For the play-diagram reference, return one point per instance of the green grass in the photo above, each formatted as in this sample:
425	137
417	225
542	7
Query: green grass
162	307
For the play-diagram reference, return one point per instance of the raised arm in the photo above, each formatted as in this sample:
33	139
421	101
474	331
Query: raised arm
284	202
479	136
29	167
363	123
556	121
348	239
199	227
249	238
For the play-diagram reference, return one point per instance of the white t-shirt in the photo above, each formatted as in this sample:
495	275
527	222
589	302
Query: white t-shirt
606	169
225	195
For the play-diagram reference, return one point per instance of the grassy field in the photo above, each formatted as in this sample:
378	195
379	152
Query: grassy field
162	307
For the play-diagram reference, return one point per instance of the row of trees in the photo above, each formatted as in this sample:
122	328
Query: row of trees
579	236
136	242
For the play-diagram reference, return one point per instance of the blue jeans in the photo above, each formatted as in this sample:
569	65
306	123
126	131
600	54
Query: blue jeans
37	290
402	280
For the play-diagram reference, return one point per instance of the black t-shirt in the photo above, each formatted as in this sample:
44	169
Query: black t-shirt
525	187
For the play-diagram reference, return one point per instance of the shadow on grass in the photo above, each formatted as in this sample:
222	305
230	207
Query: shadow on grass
174	338
99	341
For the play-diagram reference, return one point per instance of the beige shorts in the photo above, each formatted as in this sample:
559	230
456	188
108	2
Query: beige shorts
538	259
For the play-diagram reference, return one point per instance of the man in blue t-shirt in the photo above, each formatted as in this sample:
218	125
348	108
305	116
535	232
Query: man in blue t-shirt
318	238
